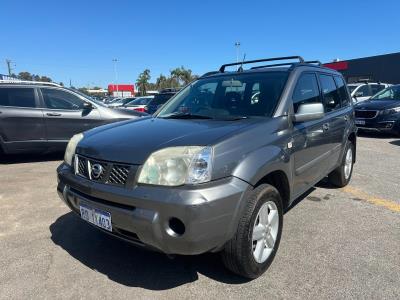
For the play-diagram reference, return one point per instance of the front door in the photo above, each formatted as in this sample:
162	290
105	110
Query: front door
310	148
65	114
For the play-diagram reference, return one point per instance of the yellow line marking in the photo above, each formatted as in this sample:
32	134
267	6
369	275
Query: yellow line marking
391	205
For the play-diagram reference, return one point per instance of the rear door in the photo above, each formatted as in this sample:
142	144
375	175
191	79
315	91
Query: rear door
311	140
21	119
65	114
337	114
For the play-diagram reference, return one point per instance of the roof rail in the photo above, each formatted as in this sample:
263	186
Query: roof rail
317	62
272	65
222	68
209	73
17	81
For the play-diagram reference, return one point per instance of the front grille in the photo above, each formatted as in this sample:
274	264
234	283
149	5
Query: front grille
104	172
366	114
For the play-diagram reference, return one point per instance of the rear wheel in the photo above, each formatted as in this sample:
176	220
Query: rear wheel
253	248
341	176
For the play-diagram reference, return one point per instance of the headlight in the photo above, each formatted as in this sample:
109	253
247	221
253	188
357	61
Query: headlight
177	165
70	151
390	111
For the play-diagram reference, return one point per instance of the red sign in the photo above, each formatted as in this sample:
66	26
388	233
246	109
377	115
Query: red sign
121	88
338	66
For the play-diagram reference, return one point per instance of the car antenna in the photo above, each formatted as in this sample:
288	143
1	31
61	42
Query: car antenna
240	69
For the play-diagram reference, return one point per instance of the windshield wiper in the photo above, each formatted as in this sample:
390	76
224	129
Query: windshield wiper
185	116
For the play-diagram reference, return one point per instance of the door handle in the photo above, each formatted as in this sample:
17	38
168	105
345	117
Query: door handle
53	114
346	117
325	127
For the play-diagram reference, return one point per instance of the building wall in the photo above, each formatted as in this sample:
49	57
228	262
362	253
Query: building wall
383	68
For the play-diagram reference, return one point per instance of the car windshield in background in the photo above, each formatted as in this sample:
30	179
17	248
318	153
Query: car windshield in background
140	101
161	98
352	88
390	93
228	97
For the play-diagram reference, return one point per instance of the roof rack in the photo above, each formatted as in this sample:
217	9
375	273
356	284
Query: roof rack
209	73
17	81
272	65
222	68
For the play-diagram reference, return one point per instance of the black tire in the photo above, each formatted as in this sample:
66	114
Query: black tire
238	252
337	177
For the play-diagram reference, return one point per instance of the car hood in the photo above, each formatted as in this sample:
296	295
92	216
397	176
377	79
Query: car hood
377	104
133	141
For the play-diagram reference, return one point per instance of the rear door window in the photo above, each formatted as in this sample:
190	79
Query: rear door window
58	99
342	91
306	91
17	97
329	92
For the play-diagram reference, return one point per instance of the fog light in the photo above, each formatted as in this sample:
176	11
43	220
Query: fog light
175	227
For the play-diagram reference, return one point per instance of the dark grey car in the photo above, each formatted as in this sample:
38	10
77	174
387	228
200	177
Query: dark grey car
216	167
42	117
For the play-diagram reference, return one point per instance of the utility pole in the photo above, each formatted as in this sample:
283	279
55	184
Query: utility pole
115	72
8	62
237	45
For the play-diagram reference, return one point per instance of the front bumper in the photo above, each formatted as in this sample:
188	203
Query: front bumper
381	124
209	212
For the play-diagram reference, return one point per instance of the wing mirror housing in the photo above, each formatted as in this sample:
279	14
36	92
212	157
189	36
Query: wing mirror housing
309	112
87	106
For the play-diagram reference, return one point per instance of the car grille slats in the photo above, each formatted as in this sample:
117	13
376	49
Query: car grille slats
103	172
366	114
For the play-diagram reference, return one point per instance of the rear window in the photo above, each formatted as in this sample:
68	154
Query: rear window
17	97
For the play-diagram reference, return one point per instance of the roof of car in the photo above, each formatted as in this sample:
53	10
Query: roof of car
26	82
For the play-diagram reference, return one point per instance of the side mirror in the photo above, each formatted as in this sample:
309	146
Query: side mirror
309	112
87	105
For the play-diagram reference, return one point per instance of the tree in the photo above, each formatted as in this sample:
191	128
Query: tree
25	76
143	81
45	79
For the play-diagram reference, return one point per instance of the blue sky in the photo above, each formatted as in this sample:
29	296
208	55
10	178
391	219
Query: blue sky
77	40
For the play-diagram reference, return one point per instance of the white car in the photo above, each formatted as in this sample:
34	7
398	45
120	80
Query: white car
361	91
139	103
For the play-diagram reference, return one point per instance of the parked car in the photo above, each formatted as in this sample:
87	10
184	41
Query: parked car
121	102
213	171
381	112
139	103
361	91
37	116
158	101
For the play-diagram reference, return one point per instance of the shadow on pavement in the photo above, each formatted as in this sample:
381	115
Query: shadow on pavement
132	266
29	158
396	142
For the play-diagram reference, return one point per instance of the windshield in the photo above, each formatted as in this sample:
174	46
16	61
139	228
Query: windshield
229	96
352	88
390	93
140	101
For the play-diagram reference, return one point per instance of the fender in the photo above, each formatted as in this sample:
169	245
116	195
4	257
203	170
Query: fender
261	162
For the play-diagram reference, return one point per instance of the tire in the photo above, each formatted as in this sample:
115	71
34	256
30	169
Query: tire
341	176
238	255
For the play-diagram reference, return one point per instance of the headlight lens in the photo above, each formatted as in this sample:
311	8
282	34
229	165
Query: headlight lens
177	165
70	151
390	111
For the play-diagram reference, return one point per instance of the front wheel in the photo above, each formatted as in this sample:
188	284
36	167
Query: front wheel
253	248
341	176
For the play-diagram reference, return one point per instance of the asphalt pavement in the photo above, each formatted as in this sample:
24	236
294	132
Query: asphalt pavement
336	243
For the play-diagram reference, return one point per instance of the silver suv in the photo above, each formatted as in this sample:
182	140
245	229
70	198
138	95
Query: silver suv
216	167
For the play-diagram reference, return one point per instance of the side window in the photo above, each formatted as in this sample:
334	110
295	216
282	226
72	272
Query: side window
330	93
306	91
363	91
342	90
58	99
17	97
375	88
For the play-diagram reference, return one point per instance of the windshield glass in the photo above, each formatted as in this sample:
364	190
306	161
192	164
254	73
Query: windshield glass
161	98
352	88
224	97
390	93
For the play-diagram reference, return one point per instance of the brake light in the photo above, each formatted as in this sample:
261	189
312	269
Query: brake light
141	109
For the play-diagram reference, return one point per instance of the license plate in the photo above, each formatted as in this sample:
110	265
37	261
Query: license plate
96	217
359	122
